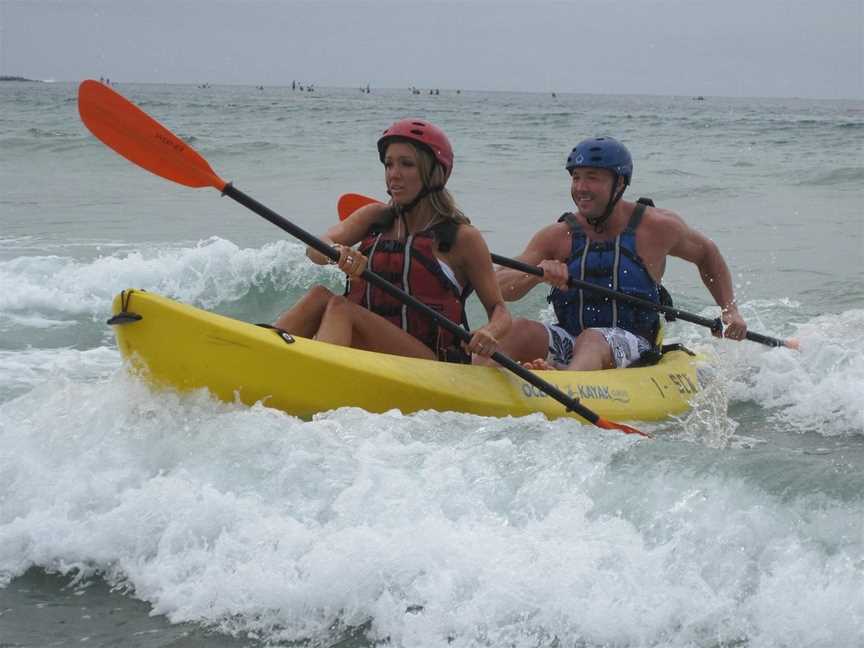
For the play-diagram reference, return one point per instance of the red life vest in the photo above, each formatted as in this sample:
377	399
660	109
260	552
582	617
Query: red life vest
412	266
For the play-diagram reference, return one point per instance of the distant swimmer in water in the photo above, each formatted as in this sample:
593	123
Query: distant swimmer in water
614	244
420	242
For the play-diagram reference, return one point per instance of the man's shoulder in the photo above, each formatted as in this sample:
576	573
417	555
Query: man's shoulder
555	232
661	217
550	241
553	229
660	229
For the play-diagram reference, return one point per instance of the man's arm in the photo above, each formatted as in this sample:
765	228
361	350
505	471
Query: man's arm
703	252
547	249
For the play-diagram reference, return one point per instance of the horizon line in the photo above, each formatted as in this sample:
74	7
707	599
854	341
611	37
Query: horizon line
22	79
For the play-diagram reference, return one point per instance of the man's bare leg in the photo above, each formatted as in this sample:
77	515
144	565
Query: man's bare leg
526	341
591	351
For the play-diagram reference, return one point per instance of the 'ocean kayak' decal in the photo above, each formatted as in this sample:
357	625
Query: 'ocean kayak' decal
586	392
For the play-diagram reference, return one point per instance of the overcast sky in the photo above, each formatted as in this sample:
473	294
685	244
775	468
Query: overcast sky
791	48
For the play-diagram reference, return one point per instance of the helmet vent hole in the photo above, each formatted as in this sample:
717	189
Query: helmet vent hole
416	131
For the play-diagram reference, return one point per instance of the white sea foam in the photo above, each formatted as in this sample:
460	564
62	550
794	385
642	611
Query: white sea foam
11	321
819	388
21	371
209	273
506	532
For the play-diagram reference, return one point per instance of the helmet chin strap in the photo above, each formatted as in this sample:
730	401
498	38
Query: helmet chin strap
599	222
425	191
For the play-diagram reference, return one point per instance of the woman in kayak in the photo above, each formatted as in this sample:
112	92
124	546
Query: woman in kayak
420	242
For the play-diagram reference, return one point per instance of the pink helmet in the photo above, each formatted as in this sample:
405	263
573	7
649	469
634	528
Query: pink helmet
423	132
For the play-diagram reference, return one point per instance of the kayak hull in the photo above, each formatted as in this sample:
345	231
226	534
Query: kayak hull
181	347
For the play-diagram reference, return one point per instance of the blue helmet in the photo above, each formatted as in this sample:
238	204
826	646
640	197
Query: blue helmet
602	153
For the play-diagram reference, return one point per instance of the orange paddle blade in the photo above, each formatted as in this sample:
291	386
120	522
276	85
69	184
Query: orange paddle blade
351	202
124	127
626	429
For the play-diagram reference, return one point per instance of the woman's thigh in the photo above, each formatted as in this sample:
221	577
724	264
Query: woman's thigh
372	332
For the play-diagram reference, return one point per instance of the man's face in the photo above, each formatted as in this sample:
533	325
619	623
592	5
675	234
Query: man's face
590	188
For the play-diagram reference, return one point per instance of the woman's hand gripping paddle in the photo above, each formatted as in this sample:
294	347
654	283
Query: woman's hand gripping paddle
139	138
351	202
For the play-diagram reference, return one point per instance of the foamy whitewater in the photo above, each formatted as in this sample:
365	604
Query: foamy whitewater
136	517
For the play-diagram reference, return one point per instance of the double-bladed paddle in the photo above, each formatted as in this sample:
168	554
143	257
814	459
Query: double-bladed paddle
351	202
128	130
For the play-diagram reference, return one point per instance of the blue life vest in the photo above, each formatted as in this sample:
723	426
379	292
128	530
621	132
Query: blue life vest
610	264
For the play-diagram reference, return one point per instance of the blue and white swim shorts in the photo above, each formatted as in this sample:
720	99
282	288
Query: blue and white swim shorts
626	347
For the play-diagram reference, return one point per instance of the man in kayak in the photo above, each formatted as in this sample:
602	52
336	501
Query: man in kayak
615	244
420	242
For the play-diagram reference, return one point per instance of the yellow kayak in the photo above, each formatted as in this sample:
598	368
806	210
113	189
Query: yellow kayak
178	346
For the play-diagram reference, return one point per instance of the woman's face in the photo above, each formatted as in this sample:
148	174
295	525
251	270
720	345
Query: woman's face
401	172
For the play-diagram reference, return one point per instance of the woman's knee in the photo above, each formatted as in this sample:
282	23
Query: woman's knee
337	305
320	293
306	312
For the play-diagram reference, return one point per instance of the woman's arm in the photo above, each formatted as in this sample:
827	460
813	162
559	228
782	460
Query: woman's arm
472	257
349	231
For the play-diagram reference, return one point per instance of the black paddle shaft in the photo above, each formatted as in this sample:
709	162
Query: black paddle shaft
572	404
716	325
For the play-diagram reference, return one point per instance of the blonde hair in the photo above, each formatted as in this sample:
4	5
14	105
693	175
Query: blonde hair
432	174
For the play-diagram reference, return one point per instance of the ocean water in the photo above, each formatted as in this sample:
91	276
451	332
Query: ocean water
135	518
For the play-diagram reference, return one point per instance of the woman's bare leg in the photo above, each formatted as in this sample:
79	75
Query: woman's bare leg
304	317
348	324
